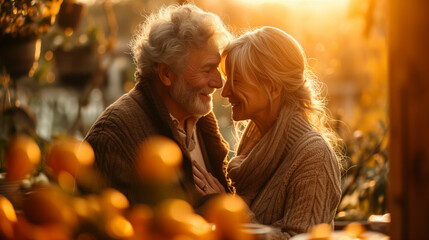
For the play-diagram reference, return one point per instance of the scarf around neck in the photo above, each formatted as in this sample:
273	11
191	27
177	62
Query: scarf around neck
251	170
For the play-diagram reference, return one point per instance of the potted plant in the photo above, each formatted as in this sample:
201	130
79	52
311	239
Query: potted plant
21	24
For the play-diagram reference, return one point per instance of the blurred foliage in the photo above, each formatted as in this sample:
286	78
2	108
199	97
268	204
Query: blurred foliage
366	164
66	39
364	180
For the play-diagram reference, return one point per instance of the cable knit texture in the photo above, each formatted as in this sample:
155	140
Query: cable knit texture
289	177
137	115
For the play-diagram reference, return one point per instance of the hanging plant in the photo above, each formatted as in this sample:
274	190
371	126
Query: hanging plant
76	56
24	18
22	22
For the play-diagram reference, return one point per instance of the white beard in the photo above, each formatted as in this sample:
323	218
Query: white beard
189	98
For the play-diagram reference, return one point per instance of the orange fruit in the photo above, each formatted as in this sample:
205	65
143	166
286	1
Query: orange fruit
140	216
22	157
175	218
70	155
228	213
118	227
112	201
320	231
48	205
7	218
159	159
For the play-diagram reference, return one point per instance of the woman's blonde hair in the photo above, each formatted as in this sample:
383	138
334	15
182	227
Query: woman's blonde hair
269	57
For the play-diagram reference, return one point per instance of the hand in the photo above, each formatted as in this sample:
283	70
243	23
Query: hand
205	182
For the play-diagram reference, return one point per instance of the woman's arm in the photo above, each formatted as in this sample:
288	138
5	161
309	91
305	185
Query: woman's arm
312	194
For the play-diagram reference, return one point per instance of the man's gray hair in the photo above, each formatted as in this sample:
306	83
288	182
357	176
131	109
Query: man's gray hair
168	35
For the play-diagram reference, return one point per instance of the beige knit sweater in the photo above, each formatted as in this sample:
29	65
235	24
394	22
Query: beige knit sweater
293	189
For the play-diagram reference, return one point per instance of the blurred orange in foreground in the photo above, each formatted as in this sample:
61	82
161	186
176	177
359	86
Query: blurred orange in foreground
7	218
22	157
159	159
69	155
118	227
228	213
176	218
27	230
354	230
320	231
140	217
113	201
48	205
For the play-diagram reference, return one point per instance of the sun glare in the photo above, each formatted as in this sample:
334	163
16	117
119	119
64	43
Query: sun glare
302	3
294	1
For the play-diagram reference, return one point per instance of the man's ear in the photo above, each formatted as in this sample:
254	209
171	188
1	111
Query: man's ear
165	74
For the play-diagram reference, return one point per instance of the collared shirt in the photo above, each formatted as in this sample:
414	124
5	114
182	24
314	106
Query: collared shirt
189	137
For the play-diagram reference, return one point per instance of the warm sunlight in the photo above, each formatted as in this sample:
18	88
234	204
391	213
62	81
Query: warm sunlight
299	2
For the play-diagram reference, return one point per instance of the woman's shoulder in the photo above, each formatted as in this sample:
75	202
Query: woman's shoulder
312	141
313	148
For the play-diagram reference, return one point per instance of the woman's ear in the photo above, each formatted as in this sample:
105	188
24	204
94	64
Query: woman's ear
275	91
165	74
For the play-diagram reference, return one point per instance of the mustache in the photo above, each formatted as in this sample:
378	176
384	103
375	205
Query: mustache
207	91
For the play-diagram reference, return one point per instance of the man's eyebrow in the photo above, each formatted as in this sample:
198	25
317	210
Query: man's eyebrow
210	64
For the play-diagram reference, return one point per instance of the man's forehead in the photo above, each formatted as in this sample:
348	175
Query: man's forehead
206	55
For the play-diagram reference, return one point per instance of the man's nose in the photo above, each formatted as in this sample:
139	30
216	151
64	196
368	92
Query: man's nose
216	80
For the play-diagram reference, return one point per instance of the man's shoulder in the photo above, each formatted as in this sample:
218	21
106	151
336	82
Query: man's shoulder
126	106
124	114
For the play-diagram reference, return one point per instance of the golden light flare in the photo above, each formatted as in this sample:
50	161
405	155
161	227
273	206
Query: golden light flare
159	159
119	227
22	157
49	55
70	155
7	218
68	31
228	213
303	3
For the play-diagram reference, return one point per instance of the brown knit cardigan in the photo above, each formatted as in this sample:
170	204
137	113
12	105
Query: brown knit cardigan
137	115
295	188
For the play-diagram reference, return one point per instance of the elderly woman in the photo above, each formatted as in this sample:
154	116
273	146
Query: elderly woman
285	167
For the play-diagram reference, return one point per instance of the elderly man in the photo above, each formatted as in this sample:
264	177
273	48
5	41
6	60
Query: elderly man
177	56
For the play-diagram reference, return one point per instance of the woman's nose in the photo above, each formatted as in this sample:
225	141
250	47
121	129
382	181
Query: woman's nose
226	91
